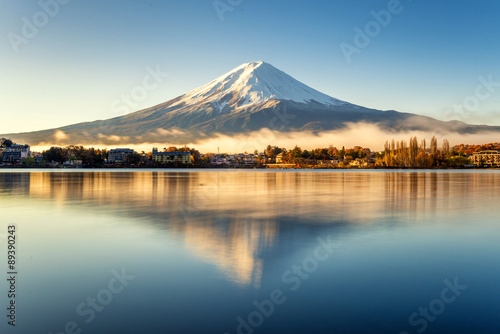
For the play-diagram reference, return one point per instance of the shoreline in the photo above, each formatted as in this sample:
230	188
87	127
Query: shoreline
243	168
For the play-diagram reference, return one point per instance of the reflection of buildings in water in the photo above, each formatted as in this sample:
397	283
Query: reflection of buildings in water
232	246
14	183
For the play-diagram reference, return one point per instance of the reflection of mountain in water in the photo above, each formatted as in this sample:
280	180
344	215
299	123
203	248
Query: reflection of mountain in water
231	218
233	248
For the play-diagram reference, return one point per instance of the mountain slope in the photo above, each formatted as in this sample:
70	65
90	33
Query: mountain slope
251	97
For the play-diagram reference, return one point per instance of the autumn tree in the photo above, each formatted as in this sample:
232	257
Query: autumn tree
446	148
387	153
434	146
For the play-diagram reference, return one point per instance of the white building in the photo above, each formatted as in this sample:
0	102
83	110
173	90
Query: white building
16	153
119	155
490	158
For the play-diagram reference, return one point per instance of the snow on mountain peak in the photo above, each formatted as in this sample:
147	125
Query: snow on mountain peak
255	83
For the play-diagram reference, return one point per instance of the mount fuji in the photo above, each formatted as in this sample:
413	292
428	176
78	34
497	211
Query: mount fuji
251	97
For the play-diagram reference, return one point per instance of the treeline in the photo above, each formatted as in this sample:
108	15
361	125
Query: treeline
415	154
467	149
91	157
299	156
88	156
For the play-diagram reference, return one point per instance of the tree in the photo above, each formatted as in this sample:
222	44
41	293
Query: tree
387	154
172	149
342	152
54	154
434	145
5	142
134	158
29	161
269	151
446	148
458	161
332	151
296	152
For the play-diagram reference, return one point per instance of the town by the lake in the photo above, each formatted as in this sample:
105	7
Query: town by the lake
396	154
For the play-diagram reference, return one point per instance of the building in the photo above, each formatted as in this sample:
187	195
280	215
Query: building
279	158
171	157
356	163
16	153
219	159
489	158
73	163
38	157
249	160
119	155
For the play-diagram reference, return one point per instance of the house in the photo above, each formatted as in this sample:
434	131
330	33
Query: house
489	158
119	155
249	159
355	163
16	153
220	161
171	157
73	163
38	157
279	158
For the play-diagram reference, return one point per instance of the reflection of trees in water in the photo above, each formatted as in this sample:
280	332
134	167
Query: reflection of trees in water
14	183
418	194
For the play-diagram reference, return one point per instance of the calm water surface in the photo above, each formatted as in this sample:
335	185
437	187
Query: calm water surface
253	252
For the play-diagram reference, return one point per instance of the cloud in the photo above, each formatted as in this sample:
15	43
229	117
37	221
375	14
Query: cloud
170	132
354	134
111	138
60	136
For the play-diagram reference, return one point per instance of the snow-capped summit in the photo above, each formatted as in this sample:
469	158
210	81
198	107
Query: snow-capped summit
255	83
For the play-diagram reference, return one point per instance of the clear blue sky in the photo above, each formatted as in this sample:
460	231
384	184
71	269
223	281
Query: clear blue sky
78	65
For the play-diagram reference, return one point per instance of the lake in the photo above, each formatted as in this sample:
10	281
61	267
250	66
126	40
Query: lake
219	251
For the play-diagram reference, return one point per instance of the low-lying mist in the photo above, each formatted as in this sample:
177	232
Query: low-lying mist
354	134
